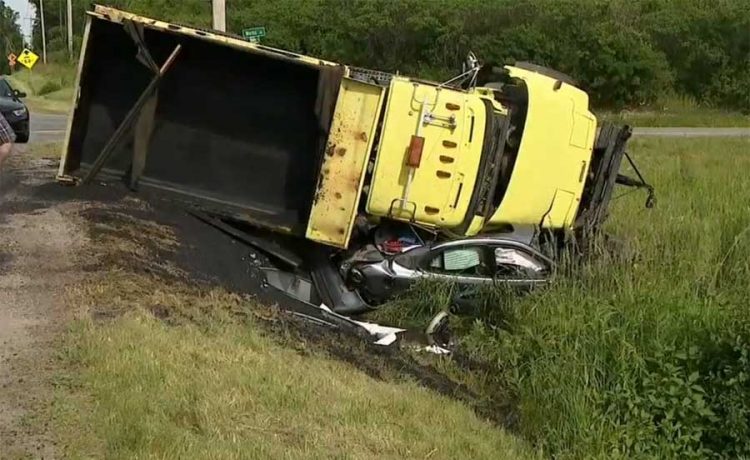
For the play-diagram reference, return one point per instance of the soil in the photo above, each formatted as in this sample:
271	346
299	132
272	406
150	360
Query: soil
53	237
40	248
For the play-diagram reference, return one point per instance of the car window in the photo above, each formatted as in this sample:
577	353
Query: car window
5	89
515	262
462	260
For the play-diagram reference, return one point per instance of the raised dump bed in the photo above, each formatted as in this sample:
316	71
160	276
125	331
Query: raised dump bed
237	126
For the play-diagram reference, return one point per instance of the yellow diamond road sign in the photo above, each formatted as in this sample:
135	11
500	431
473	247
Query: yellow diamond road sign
28	58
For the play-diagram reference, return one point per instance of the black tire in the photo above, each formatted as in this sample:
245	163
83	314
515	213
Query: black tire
331	287
546	71
22	138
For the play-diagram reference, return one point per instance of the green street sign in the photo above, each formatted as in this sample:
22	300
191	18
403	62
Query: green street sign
254	34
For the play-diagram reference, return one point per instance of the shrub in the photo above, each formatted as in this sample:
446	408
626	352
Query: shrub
49	86
644	355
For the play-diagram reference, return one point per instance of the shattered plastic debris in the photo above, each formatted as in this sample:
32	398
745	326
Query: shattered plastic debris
301	289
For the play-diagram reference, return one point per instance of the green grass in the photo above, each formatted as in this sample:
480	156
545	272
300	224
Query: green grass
49	87
640	352
203	384
681	112
45	150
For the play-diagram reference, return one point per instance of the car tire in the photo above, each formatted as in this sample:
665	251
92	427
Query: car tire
22	138
331	286
547	72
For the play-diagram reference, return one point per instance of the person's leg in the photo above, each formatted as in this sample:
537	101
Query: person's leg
5	151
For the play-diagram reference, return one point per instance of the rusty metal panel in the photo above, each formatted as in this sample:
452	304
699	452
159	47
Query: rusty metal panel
347	152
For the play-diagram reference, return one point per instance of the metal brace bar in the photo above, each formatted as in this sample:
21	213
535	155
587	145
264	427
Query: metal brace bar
135	30
264	245
130	118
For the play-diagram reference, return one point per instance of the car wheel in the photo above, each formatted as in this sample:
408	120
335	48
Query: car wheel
22	138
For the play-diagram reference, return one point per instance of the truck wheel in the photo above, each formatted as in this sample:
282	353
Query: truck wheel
331	287
546	71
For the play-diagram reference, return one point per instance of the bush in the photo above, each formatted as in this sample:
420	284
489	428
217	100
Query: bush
642	353
49	86
624	52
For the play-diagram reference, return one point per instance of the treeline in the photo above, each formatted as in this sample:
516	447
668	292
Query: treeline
626	53
10	31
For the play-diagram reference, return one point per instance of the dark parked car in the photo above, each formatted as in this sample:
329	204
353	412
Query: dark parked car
14	110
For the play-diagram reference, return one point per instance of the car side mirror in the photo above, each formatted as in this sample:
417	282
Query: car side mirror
19	94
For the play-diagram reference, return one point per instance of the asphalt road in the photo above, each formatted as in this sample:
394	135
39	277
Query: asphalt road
47	127
692	132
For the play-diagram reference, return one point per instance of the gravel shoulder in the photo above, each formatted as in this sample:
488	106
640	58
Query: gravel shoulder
39	247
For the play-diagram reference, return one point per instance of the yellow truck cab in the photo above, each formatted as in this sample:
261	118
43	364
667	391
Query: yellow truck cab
464	162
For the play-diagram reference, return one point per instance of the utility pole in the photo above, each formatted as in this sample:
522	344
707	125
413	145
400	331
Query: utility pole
220	15
70	28
44	34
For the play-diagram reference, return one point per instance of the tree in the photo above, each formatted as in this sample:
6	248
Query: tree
10	31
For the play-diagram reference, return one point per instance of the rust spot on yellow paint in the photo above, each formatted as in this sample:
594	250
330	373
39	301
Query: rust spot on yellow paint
362	136
341	151
338	195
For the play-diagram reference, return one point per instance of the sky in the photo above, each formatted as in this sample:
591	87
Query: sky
25	12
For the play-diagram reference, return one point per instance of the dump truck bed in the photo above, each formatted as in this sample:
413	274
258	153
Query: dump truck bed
238	127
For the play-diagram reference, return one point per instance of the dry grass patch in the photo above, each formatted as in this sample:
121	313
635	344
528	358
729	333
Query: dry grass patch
186	372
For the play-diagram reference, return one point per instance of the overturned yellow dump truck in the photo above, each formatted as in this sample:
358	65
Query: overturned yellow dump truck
335	154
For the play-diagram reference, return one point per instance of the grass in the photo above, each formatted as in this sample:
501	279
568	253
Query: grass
202	382
639	352
43	150
678	111
49	87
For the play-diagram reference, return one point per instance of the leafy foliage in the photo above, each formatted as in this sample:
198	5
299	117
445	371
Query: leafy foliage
625	53
10	31
642	351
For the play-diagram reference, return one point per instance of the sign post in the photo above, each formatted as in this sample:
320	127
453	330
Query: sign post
12	62
254	34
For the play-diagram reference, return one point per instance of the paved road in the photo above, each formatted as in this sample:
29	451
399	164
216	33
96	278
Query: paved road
692	132
46	127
